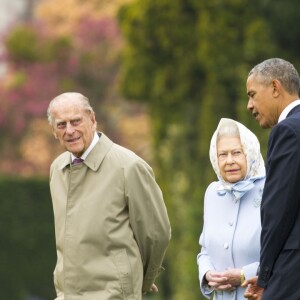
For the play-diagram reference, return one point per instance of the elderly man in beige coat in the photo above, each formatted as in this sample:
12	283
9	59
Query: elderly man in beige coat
111	223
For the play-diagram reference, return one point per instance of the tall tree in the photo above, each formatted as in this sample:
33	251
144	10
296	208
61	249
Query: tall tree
188	60
281	16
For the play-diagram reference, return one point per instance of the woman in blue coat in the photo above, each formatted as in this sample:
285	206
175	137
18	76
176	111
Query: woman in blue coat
230	240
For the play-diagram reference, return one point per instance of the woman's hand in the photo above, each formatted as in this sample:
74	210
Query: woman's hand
226	280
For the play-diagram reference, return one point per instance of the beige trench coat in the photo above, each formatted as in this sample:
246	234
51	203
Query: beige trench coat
111	225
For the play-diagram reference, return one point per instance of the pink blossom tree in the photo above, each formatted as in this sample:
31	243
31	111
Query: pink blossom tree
41	65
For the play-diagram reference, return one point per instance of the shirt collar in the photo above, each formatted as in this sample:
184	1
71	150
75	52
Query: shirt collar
286	111
90	148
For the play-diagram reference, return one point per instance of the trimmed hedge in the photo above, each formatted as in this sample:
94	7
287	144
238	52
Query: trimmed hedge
27	254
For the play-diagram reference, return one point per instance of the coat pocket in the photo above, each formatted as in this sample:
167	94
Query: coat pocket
125	272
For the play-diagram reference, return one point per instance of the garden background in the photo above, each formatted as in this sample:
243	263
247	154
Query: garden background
160	74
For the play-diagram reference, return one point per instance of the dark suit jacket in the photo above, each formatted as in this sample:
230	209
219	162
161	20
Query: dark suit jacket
280	211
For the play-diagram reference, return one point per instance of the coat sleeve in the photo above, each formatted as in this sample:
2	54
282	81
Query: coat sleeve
280	201
203	259
204	265
148	219
250	270
59	293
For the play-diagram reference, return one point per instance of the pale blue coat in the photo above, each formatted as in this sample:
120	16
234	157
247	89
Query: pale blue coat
230	236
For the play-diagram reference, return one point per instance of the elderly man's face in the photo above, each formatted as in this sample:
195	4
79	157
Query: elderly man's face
73	126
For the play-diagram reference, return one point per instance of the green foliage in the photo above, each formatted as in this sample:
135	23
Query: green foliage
161	55
22	44
281	15
27	257
54	49
27	44
189	60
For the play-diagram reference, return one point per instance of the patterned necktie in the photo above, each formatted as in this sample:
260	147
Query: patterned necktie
77	161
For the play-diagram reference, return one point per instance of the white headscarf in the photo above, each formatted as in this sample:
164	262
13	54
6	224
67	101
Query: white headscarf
255	162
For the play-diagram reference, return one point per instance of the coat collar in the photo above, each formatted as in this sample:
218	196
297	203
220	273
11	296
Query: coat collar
95	157
296	109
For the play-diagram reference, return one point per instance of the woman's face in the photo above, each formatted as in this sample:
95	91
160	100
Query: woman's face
231	159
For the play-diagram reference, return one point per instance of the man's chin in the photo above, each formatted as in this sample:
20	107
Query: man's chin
75	151
265	125
261	122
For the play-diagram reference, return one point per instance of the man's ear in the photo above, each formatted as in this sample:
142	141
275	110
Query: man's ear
277	88
54	133
93	120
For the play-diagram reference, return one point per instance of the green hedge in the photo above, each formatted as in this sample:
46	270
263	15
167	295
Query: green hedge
27	255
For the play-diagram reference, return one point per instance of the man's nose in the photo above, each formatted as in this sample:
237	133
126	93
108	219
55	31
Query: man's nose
250	105
69	128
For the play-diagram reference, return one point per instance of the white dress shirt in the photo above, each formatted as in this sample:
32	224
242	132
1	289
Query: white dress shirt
89	149
286	111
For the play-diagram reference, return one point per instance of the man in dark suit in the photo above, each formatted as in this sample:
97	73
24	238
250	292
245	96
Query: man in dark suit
273	93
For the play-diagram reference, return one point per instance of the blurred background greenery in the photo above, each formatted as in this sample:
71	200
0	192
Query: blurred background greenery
159	74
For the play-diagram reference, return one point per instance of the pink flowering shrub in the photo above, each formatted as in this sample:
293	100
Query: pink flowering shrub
40	65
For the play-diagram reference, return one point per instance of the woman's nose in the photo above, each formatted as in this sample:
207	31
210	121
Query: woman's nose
230	158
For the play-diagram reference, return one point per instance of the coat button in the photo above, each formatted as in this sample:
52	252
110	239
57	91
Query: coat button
226	245
230	223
